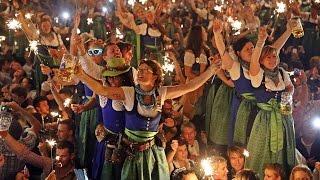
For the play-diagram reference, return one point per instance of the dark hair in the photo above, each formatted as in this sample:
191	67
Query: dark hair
37	100
277	168
195	41
66	145
67	122
247	174
156	69
124	46
20	92
238	45
67	91
179	173
182	142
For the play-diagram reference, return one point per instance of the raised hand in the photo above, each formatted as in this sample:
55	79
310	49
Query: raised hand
217	26
263	34
174	145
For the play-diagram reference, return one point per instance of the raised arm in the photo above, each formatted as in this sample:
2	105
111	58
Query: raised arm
35	124
28	27
177	91
225	56
279	43
114	93
255	64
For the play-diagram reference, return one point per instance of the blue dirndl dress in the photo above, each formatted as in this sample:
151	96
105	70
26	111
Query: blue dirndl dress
114	122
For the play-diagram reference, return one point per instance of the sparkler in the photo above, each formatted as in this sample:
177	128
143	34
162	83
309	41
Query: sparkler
143	1
119	34
218	8
281	7
13	24
28	15
168	67
51	143
2	38
316	122
246	153
33	46
65	15
317	1
56	19
89	21
207	167
131	2
54	114
67	102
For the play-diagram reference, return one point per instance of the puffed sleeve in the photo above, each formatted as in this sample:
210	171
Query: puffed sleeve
128	97
189	59
203	59
142	29
257	79
92	69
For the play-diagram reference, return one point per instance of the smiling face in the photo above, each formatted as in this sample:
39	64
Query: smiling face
114	81
112	50
236	161
246	52
182	153
146	76
46	27
269	59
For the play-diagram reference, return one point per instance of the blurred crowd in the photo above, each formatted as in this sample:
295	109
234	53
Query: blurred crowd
181	89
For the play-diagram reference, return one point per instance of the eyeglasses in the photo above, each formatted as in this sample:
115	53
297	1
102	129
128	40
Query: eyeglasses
143	70
95	52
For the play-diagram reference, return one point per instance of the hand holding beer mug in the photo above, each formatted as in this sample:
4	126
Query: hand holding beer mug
5	121
286	103
296	27
67	67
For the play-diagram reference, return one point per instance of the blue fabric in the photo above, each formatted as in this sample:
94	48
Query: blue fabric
87	91
113	120
98	160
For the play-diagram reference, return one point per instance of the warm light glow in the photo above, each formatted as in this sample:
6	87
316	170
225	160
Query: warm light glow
167	66
13	24
131	2
246	153
143	1
119	34
281	7
2	38
51	142
28	15
67	102
54	114
218	8
316	122
34	46
104	9
89	21
207	167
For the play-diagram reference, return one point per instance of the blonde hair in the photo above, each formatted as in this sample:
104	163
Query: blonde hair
303	168
266	51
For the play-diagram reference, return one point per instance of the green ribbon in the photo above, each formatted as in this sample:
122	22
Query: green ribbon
248	96
140	136
276	135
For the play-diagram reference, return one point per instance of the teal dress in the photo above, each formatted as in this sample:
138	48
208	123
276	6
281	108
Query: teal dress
220	114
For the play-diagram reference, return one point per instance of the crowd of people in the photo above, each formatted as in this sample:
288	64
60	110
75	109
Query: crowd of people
181	89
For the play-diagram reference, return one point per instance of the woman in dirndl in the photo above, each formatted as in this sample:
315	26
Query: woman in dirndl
243	100
143	102
272	137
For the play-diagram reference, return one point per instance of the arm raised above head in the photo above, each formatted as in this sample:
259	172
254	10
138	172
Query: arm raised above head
197	82
279	43
255	64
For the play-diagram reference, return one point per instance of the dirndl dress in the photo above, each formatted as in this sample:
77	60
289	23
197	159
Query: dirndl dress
150	164
272	138
220	115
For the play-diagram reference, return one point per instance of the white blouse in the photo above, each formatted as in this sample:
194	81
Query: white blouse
128	103
235	71
116	104
269	84
143	29
190	59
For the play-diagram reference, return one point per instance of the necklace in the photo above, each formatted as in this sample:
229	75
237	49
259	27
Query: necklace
272	74
141	96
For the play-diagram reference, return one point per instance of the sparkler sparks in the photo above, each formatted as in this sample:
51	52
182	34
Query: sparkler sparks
67	102
28	15
218	8
246	153
119	34
281	7
34	46
207	167
13	24
51	142
54	114
89	21
167	66
131	2
2	38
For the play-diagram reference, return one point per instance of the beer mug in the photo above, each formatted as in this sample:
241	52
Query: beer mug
67	67
286	103
5	120
297	29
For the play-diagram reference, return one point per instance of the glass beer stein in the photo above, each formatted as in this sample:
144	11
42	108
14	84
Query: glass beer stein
297	29
5	120
286	103
67	67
